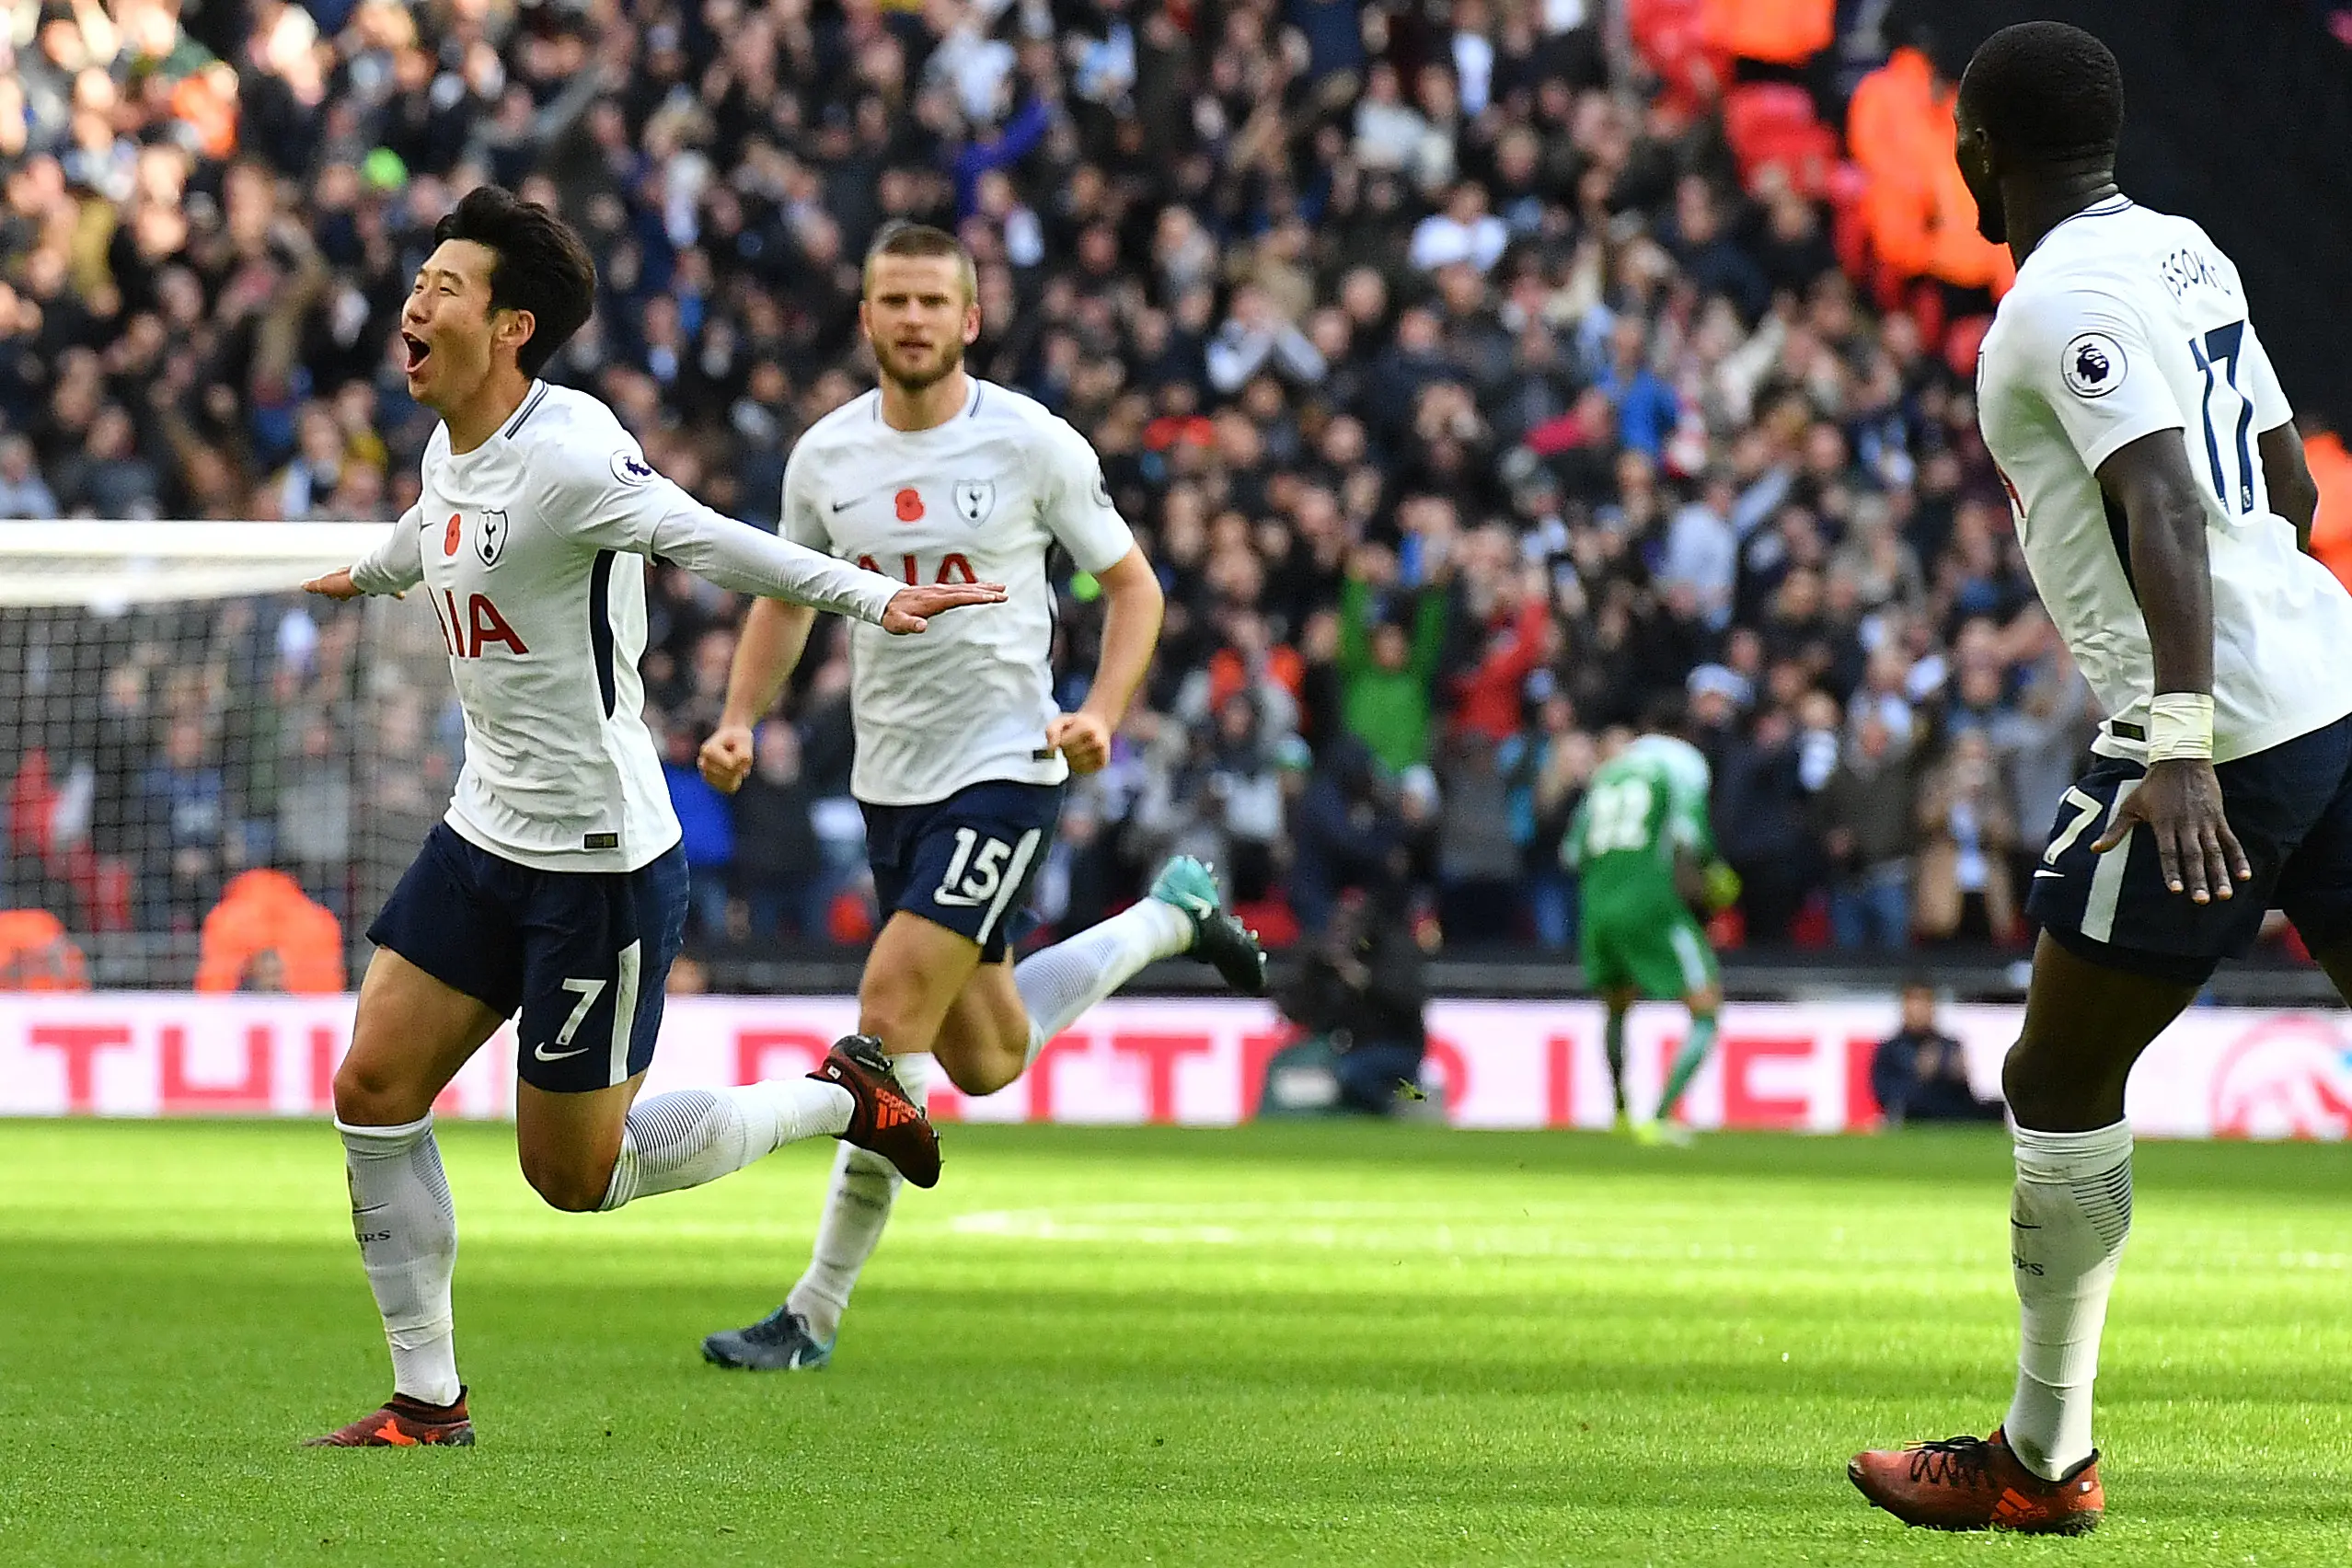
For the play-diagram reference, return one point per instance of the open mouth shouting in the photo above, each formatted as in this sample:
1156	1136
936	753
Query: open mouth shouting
418	351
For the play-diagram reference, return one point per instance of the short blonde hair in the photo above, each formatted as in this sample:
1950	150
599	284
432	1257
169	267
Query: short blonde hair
920	240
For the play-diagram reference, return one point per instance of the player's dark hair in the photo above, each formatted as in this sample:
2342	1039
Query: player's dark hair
542	266
1667	714
922	239
2047	93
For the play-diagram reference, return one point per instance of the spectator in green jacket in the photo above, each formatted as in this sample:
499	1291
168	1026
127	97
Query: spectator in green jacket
1388	664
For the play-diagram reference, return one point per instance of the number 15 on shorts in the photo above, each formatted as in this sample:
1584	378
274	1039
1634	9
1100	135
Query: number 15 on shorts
975	873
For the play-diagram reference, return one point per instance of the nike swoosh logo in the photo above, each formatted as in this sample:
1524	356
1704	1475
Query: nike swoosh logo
2039	876
842	506
543	1053
362	1214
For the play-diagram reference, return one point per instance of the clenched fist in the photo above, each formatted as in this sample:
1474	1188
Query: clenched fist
1083	740
726	757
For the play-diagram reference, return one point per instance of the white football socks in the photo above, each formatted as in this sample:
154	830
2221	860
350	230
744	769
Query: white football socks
692	1136
1058	983
857	1207
2068	1216
407	1230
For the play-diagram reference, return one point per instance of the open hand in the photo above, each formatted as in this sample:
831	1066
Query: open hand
2180	800
1083	739
726	757
336	584
910	610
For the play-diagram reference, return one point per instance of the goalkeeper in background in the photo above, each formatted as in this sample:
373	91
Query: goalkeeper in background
1645	857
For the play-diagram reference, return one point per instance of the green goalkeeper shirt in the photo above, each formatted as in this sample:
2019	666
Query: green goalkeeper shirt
1645	805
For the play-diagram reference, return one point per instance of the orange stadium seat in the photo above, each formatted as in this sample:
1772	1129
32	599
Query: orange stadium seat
1916	210
1784	32
2330	467
267	912
36	955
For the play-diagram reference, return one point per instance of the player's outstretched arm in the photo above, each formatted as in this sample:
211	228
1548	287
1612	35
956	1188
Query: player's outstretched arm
774	634
738	556
910	610
2180	800
1133	605
393	567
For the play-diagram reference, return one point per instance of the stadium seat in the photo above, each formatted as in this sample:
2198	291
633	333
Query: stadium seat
1670	36
1779	32
36	955
1773	122
267	912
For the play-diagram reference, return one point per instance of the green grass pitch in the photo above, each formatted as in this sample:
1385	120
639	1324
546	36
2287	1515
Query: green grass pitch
1343	1344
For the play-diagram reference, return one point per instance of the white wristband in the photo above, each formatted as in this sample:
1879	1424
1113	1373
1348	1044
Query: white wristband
2180	723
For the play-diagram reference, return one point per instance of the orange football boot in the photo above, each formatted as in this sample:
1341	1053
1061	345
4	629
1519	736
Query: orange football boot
1978	1484
404	1423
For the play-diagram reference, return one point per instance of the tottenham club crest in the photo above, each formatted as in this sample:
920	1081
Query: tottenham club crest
2094	365
491	538
975	498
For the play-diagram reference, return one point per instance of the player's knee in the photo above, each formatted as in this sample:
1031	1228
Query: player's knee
368	1093
566	1184
2038	1093
892	1010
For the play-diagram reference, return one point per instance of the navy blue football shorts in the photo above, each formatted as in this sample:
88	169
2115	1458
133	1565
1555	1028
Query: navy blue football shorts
966	862
2291	809
584	955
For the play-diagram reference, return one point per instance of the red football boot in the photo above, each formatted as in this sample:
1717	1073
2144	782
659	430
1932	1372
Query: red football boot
1976	1483
404	1423
883	1119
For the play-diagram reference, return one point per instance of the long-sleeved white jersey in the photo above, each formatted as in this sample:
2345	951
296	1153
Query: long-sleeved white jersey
531	549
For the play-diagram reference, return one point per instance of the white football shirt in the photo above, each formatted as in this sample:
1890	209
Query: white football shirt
2126	322
982	498
531	549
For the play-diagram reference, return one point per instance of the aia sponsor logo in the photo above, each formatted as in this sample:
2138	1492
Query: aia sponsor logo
2286	1078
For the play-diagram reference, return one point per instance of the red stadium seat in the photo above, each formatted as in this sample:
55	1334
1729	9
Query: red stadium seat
1773	122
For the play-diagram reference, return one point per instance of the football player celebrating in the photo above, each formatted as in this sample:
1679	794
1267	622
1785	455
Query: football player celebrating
938	477
555	885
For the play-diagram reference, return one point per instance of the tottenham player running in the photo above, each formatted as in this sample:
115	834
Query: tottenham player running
555	885
938	477
1645	855
2160	497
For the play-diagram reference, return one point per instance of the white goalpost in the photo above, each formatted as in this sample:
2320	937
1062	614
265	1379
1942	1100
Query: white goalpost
176	712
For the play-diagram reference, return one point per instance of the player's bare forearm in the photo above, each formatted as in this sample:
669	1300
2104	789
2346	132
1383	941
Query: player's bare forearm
2165	516
2179	798
766	652
1133	606
2293	493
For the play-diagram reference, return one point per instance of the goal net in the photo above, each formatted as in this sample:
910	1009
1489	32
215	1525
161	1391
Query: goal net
176	714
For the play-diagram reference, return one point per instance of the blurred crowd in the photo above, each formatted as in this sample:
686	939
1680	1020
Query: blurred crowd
1477	398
